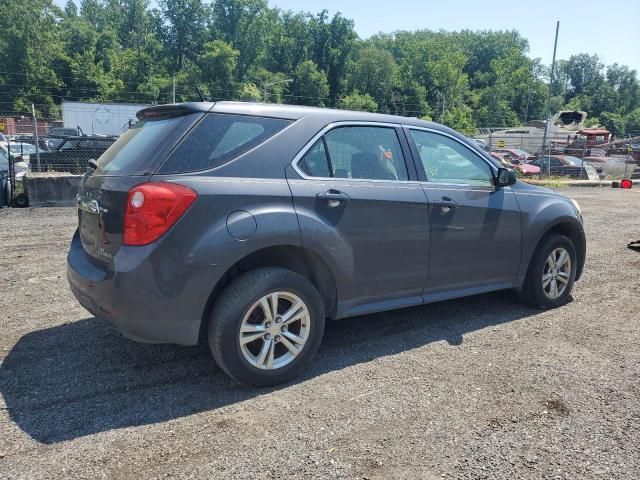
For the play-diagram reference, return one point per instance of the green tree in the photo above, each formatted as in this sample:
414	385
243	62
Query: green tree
373	73
357	101
243	24
29	51
632	122
614	122
182	27
249	92
310	86
218	65
584	72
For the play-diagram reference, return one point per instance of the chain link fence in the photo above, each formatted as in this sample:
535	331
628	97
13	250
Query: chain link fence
60	145
591	153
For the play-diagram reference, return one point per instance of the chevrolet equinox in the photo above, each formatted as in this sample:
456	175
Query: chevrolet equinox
249	224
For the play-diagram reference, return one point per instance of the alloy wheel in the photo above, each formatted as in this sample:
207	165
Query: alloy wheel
556	273
274	330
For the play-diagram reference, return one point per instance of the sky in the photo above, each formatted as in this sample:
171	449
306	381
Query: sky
608	28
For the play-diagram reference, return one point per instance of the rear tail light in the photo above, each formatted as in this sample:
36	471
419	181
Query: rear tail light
152	209
626	183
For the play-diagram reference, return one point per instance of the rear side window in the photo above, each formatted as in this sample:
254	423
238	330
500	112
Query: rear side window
315	163
137	149
218	138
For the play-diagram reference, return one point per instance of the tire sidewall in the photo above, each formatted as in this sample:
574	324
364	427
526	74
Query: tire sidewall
225	323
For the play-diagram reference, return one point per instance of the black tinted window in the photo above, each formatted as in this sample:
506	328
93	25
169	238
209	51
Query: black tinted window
138	148
219	138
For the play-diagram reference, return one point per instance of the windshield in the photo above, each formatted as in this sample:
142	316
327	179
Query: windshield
142	145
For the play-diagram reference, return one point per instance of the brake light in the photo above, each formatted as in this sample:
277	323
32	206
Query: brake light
626	183
152	209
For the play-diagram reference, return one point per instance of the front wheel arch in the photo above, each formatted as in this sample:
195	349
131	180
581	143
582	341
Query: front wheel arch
574	233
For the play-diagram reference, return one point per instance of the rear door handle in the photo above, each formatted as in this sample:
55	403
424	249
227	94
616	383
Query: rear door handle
333	198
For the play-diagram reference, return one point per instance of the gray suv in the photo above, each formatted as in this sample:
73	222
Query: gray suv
249	224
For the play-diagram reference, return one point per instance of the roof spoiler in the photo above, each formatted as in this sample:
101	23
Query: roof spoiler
174	110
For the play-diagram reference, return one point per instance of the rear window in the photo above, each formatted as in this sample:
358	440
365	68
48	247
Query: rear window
218	138
137	149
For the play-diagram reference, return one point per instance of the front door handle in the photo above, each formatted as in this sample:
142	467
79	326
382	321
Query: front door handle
446	204
334	198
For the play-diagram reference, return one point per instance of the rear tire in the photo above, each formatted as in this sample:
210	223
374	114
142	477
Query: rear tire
258	344
551	273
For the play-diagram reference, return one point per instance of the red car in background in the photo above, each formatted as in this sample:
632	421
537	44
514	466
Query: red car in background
515	155
525	169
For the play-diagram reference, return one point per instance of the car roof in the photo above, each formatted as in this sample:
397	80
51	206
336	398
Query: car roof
289	112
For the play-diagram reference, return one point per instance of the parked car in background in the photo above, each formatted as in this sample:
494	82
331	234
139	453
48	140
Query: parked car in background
44	142
525	169
566	166
18	149
73	153
4	161
515	155
64	132
252	223
20	155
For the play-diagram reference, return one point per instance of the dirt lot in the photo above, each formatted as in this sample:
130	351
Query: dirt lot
473	388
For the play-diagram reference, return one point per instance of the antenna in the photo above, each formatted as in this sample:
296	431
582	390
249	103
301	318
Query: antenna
200	94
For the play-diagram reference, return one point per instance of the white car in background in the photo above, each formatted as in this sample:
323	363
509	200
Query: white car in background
20	152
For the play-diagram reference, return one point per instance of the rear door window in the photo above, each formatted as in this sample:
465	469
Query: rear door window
362	152
218	138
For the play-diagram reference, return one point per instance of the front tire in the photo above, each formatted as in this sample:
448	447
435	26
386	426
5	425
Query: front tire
551	273
266	327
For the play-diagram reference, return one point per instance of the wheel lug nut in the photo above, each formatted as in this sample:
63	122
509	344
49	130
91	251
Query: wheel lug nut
267	324
267	336
277	338
278	319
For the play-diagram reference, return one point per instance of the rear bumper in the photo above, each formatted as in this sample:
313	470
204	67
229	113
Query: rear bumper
145	303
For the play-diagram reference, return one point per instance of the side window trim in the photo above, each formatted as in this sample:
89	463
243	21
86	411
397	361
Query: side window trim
327	154
350	123
420	167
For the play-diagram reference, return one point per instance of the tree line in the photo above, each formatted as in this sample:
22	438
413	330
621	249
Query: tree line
129	51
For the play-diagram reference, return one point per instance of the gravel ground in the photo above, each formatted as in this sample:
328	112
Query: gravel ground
475	388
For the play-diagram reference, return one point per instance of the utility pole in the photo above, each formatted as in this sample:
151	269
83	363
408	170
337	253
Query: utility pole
546	124
35	135
174	88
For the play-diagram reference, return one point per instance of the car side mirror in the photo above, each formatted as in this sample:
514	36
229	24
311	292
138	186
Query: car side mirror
506	177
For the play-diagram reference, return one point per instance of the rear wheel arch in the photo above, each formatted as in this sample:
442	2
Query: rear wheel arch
295	258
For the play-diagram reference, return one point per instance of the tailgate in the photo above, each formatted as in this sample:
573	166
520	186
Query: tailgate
101	205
